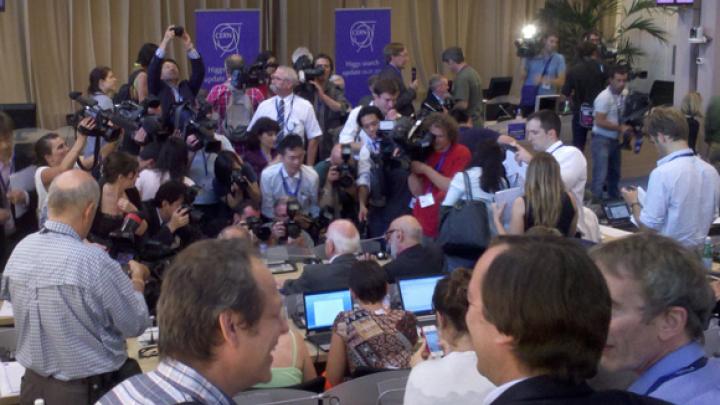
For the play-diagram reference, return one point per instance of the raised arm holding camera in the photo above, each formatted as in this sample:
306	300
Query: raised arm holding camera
164	75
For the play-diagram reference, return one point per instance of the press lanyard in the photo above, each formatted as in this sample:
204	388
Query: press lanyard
438	167
686	154
287	188
555	149
696	365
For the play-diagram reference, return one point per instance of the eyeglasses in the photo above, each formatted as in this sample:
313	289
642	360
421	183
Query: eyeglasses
389	233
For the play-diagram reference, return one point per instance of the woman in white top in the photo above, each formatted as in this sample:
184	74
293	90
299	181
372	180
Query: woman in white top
172	164
453	379
54	157
487	176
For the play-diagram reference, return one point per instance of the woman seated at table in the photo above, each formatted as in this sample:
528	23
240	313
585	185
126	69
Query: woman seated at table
546	202
291	364
118	195
453	378
372	336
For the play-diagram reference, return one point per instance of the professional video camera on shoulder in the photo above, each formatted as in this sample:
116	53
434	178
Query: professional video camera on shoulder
530	44
404	140
105	127
244	77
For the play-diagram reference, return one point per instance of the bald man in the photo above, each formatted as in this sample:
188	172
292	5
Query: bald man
74	306
343	242
410	257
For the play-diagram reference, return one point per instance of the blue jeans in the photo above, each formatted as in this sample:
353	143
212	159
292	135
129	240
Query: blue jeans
605	166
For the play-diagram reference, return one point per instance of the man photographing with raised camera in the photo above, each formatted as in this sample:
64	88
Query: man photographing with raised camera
164	75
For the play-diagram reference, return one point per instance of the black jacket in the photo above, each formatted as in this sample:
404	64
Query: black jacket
403	105
162	234
546	390
188	89
584	82
415	262
321	277
431	103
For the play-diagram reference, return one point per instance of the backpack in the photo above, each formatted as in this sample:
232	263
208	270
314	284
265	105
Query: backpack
127	91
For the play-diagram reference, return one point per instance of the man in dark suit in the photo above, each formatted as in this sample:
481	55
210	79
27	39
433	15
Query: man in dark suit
343	242
397	57
164	77
538	319
438	97
167	218
410	257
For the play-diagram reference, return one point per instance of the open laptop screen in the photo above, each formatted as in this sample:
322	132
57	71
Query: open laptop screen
321	308
416	293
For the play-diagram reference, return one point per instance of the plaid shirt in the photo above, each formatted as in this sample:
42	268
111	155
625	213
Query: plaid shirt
171	383
73	305
220	93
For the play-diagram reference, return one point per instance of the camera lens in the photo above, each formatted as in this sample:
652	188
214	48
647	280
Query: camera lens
179	31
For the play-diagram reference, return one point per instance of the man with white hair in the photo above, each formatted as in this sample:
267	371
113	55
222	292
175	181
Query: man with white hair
409	257
343	242
294	114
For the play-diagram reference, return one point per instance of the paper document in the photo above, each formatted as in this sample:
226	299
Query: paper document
10	375
508	197
6	309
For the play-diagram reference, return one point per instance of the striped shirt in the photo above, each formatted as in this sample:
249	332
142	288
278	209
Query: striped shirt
73	305
171	383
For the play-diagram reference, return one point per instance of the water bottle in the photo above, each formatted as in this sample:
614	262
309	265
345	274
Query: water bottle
707	256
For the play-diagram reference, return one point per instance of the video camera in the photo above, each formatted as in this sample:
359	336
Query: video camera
242	77
530	44
103	118
260	230
195	214
306	70
292	228
241	177
194	121
637	105
347	172
408	136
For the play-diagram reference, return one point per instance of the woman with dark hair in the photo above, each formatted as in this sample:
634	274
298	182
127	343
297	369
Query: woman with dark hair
118	195
260	149
229	173
172	164
453	378
54	157
139	88
102	84
546	202
371	336
487	176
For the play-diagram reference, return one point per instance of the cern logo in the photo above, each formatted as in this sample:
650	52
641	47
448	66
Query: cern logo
226	37
362	34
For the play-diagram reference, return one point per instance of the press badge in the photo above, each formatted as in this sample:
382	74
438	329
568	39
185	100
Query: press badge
426	200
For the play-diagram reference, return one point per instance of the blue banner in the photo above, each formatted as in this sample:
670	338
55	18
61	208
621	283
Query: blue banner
360	36
221	33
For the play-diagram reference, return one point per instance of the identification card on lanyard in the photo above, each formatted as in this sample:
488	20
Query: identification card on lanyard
286	187
427	199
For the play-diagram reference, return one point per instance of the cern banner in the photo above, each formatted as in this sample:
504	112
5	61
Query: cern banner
360	35
221	33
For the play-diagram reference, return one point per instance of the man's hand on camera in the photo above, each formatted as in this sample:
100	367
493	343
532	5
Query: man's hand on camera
86	126
179	219
392	115
318	87
418	167
169	35
333	174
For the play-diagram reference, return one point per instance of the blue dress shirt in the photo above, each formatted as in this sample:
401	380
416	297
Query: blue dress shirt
698	387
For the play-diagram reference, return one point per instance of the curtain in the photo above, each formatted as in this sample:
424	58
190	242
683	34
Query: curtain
48	47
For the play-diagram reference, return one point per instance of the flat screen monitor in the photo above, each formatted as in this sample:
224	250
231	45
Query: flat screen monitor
548	102
416	293
321	308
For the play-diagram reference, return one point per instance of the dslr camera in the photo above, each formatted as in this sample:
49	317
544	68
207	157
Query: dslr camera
346	170
194	121
292	228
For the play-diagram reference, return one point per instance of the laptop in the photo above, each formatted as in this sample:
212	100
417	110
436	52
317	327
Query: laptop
321	309
618	215
416	296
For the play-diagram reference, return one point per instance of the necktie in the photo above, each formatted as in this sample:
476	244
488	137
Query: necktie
281	115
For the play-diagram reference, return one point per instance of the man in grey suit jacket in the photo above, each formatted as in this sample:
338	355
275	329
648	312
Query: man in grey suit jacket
343	241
